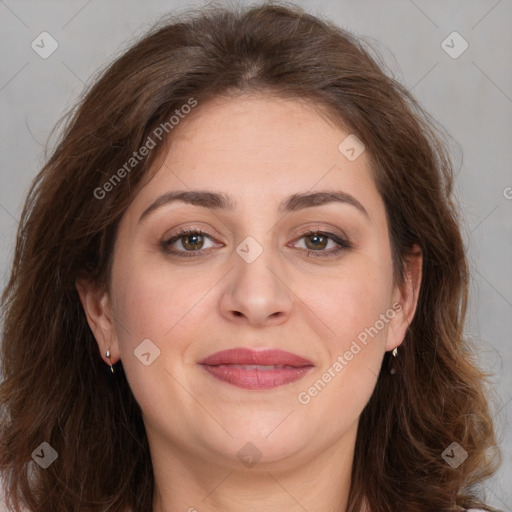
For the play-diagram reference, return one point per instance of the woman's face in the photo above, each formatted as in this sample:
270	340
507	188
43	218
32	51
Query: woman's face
254	279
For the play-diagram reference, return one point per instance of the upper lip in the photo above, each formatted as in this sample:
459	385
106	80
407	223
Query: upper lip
252	357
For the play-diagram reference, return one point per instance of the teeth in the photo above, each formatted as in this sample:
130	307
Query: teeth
260	366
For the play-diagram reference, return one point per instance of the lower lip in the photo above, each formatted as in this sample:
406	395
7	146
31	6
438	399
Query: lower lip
254	378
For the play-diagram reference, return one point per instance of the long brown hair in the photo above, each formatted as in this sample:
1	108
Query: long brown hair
57	389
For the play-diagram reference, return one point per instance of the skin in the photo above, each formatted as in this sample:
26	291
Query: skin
258	150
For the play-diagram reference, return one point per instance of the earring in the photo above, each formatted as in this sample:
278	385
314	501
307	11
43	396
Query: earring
392	361
107	354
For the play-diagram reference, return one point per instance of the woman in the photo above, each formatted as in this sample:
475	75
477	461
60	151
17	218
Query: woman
239	283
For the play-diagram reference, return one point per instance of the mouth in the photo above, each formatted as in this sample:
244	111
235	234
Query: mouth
258	370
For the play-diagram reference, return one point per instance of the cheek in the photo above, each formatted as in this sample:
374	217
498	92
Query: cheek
171	309
355	307
151	302
349	301
342	387
167	311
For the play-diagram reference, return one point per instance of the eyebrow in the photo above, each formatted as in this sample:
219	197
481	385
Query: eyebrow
221	201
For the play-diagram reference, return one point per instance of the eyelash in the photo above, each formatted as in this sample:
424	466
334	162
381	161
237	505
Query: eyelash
343	243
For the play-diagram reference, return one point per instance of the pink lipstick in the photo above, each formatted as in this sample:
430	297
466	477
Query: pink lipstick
249	369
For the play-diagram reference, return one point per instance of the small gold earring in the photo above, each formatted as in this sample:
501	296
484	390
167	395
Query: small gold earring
108	357
392	361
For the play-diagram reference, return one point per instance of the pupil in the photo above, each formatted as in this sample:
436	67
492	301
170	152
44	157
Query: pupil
316	241
196	242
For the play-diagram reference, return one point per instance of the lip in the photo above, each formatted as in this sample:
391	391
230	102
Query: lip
236	367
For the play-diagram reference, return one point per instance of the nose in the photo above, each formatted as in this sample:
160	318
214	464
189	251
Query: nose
257	293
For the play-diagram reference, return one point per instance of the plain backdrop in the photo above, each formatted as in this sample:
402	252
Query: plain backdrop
469	94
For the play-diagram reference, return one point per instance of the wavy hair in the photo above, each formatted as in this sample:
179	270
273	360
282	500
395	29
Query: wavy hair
56	388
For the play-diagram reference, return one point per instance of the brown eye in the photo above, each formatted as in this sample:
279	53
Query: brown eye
192	242
316	241
322	244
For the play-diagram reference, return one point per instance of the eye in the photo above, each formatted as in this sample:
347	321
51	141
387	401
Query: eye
319	243
191	242
188	241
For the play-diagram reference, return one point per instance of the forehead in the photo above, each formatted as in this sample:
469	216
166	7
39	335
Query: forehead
257	128
264	147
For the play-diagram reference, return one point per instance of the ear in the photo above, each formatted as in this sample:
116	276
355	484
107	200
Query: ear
405	298
98	311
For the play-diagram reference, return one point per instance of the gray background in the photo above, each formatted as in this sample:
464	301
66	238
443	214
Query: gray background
471	96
